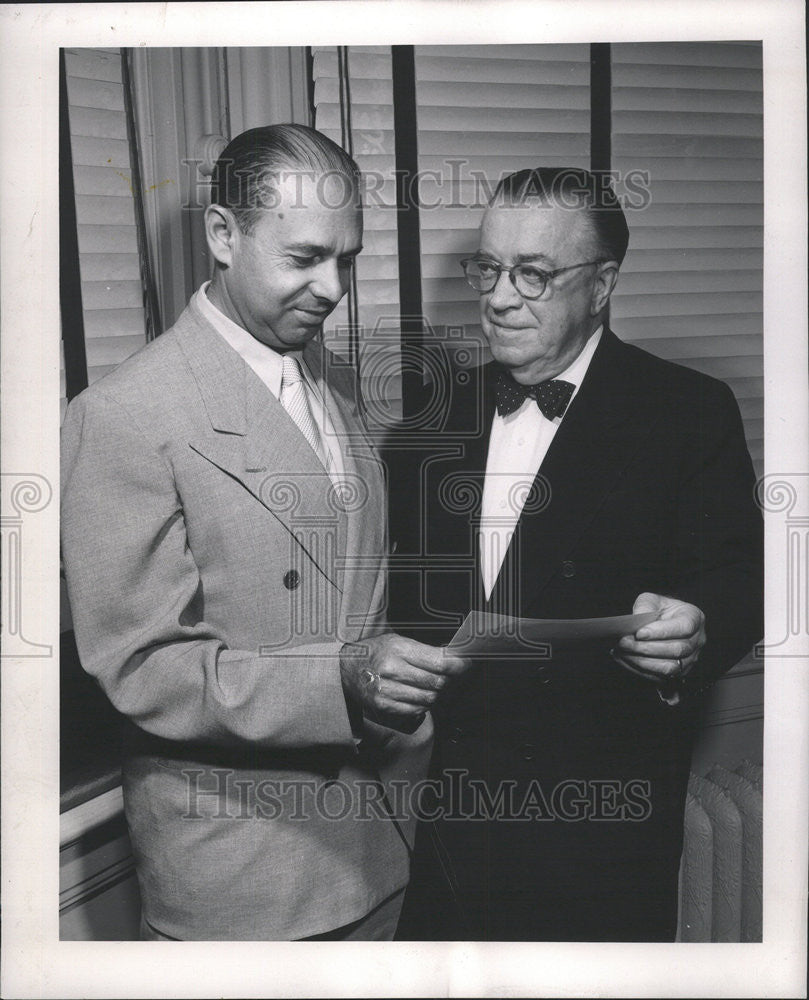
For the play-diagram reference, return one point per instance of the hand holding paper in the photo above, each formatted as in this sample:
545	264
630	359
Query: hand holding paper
396	679
483	633
668	647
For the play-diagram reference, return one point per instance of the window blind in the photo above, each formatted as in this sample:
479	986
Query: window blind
688	116
112	297
371	113
484	112
691	286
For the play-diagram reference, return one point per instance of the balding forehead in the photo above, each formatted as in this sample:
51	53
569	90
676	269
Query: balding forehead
540	228
297	187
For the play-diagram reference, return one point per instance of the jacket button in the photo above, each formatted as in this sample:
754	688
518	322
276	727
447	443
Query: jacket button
527	751
292	579
568	569
455	734
542	675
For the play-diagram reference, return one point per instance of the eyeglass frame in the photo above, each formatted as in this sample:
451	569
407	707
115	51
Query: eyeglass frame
500	268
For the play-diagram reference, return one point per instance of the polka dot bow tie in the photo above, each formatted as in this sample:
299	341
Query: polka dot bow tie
551	397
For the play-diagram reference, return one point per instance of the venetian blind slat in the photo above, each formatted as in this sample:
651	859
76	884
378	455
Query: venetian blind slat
107	95
633	328
106	210
674	261
110	267
106	351
688	99
97	123
100	181
112	295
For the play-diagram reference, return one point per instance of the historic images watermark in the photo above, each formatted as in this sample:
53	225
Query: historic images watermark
430	189
222	793
787	495
22	495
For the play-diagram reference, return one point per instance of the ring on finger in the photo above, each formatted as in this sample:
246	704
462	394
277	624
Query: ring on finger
370	678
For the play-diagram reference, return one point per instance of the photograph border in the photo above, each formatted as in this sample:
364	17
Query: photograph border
34	962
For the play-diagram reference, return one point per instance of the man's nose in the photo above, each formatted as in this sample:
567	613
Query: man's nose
504	295
328	283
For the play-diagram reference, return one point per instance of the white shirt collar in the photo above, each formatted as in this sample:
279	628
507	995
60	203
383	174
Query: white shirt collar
265	362
575	372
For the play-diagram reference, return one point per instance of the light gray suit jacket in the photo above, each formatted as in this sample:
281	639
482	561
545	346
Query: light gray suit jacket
213	577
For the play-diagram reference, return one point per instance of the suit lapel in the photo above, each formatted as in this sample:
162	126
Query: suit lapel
252	439
454	526
480	454
364	502
605	425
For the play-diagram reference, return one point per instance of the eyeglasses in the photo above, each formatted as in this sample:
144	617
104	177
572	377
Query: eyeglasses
529	281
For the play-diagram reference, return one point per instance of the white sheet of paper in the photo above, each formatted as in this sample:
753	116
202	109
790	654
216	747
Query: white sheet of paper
482	632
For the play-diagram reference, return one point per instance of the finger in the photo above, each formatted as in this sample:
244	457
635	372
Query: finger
419	654
452	664
402	672
407	694
647	602
395	697
680	626
661	649
653	668
437	659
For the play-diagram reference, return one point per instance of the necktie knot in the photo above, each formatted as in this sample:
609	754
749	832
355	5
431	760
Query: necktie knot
552	396
291	372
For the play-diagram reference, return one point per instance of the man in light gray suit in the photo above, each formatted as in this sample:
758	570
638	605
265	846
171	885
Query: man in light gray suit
224	540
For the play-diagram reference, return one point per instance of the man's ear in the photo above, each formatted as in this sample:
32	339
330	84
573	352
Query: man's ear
605	279
222	232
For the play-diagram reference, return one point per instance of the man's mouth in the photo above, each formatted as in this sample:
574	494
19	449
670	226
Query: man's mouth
315	315
506	326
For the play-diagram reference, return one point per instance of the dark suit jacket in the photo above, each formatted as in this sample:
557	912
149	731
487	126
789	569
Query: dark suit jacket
647	486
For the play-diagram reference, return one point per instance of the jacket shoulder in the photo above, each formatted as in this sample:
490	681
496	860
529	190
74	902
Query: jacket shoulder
669	378
155	374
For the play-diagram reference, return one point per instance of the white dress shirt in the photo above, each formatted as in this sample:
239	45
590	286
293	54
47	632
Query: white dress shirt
517	446
268	364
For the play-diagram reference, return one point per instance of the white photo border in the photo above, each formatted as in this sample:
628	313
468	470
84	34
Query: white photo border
34	962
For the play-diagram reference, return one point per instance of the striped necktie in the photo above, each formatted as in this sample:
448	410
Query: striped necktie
295	402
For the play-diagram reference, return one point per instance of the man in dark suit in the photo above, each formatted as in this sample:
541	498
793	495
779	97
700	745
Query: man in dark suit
575	476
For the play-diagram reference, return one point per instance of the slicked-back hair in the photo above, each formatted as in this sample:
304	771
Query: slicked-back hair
573	188
250	165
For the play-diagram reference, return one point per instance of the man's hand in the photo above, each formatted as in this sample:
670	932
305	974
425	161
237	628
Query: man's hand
666	649
395	679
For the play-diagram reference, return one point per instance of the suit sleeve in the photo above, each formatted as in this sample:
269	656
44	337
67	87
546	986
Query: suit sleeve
720	537
135	594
